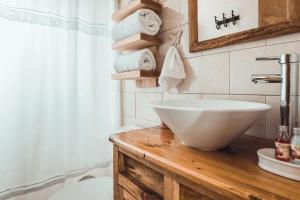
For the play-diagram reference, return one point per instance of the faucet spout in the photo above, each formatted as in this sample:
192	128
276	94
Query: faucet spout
289	79
266	78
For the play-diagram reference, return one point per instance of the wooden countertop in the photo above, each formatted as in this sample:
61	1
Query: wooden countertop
232	172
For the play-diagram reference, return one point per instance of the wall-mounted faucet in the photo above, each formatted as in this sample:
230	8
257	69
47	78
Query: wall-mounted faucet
289	79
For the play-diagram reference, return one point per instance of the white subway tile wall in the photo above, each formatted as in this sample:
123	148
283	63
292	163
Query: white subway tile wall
222	73
143	109
128	104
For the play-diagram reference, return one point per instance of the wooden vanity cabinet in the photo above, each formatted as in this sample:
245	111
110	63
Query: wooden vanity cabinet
152	164
138	181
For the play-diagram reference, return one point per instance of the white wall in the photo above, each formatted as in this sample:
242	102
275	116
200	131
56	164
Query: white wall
222	73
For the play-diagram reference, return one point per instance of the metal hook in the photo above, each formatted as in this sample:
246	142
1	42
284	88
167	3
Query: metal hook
234	17
217	23
225	20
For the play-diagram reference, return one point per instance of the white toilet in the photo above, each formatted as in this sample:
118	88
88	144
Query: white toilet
96	188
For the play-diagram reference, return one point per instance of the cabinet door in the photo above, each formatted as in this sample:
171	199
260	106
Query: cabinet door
144	175
135	189
127	196
189	194
124	194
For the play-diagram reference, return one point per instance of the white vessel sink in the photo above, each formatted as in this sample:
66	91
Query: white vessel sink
208	124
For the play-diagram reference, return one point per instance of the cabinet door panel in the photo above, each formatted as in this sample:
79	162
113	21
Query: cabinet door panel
145	175
189	194
127	196
136	189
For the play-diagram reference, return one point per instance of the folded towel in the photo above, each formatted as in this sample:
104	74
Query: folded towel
142	21
137	60
173	70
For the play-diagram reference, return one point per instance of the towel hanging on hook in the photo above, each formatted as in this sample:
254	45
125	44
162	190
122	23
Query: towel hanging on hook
173	69
175	38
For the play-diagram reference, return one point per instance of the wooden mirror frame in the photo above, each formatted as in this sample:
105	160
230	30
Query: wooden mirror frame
280	18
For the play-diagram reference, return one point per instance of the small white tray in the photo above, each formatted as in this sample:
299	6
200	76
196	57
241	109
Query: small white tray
267	161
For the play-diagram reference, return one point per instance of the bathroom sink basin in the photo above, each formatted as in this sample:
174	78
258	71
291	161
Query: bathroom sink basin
208	124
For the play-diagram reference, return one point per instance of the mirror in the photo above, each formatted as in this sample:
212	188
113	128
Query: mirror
219	23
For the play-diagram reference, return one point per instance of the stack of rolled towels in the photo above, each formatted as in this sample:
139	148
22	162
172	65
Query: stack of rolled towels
142	21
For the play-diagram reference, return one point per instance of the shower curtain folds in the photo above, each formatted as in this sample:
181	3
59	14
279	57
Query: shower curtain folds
57	102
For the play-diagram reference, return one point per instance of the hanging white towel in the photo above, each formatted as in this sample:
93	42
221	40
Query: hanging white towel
138	60
173	70
142	21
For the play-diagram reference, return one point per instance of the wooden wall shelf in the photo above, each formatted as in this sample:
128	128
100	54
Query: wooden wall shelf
143	78
134	6
134	75
136	42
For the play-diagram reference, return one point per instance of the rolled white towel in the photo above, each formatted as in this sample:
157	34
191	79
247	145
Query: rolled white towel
142	21
138	60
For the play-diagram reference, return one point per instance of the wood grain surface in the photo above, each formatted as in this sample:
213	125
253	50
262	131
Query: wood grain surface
231	173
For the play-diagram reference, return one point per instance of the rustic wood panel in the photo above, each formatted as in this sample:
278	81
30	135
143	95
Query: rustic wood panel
188	194
116	171
244	143
293	11
136	189
231	173
127	196
175	181
276	17
120	193
272	13
171	189
145	175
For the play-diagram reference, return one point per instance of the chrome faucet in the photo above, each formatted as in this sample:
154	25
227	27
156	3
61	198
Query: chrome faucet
289	79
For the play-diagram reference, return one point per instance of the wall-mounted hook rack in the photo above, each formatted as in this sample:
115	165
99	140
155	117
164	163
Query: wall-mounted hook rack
225	20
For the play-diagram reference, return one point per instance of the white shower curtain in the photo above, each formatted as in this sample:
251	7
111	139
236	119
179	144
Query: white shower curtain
57	103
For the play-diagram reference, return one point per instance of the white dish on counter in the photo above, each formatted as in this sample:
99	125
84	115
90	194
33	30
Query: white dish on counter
267	161
208	124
